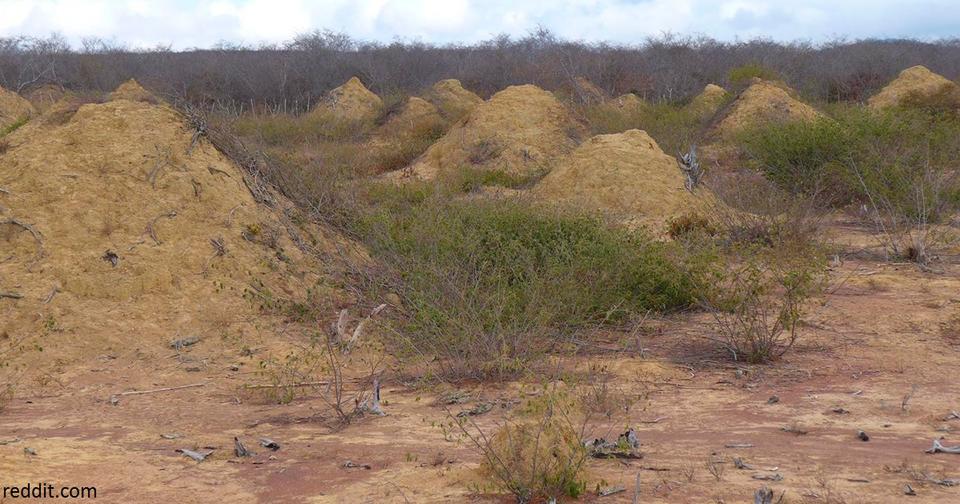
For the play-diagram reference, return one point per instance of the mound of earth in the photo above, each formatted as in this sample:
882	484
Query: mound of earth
350	102
624	175
708	101
520	131
414	117
451	99
763	102
43	97
13	108
628	101
584	91
133	91
917	80
122	231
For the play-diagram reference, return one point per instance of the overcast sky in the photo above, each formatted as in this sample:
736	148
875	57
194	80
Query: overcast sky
201	23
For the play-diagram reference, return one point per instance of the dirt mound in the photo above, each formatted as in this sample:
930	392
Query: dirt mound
624	175
520	131
763	102
121	231
628	101
708	101
584	91
352	102
133	91
918	80
13	108
415	116
43	97
451	99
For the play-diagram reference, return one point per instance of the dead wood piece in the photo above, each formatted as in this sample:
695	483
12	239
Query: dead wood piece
239	449
4	190
358	331
763	495
269	444
111	257
180	344
171	436
793	429
151	232
219	247
740	464
863	436
286	385
908	490
654	421
115	398
53	292
199	456
163	159
611	490
626	446
11	295
32	230
353	465
840	411
738	445
767	477
372	405
940	448
477	410
952	416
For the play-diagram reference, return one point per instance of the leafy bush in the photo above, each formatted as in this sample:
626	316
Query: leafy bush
14	126
674	127
899	164
758	302
488	285
742	75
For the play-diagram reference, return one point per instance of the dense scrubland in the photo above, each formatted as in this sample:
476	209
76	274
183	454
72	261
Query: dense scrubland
505	225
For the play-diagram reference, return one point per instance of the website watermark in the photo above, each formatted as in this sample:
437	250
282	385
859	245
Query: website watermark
48	491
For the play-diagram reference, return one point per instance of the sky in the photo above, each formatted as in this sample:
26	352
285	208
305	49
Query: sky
203	23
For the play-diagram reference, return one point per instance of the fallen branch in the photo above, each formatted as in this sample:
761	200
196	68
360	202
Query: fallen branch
11	295
952	416
53	292
115	398
358	332
288	385
940	448
33	232
150	231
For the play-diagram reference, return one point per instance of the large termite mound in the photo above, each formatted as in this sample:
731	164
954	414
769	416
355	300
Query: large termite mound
917	81
624	175
521	131
13	108
122	229
350	102
451	99
708	101
132	90
761	103
413	118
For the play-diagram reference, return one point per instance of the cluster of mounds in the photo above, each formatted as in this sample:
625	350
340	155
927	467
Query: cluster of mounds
123	228
13	108
625	175
520	131
350	102
917	81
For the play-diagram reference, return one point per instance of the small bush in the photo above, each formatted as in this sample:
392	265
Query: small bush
674	127
489	285
538	455
758	302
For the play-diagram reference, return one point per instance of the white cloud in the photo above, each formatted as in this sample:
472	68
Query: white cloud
187	23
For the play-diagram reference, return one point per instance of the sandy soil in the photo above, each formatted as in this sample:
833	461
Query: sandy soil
877	337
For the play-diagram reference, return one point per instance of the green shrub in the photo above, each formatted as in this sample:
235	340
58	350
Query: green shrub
742	75
14	126
488	285
674	127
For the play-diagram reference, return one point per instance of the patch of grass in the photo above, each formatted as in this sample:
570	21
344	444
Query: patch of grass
741	76
674	127
538	454
14	126
489	285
